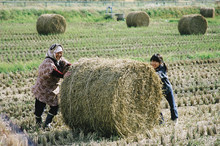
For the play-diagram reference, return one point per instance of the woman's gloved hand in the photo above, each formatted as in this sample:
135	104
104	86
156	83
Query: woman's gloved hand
66	68
67	74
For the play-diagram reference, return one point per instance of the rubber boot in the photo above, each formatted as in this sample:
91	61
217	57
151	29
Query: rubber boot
38	120
48	120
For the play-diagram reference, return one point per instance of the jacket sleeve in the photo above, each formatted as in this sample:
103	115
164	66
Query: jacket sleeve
65	62
65	65
57	73
162	75
46	68
167	87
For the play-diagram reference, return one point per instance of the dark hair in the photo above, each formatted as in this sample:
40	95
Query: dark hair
159	58
54	46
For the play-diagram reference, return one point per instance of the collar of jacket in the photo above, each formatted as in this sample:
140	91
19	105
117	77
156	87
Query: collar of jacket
160	67
54	60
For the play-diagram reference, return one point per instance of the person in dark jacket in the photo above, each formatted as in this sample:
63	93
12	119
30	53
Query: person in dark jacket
46	88
161	69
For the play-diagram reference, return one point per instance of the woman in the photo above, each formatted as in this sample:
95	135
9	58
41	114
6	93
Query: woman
160	67
46	88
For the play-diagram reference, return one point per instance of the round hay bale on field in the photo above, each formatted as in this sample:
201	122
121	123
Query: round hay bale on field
51	23
192	24
207	12
137	19
113	97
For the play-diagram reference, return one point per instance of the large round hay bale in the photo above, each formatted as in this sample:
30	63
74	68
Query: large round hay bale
113	97
50	24
192	24
137	19
207	12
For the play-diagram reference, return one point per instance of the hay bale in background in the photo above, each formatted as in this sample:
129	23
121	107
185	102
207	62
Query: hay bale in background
207	12
119	97
137	19
192	24
51	23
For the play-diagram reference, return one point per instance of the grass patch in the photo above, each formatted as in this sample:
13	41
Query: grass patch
31	15
204	55
215	20
173	58
19	66
90	15
174	12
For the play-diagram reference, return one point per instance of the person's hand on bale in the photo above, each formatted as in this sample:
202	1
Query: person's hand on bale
67	74
66	69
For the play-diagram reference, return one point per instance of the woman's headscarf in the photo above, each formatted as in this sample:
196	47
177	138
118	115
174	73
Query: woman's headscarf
55	48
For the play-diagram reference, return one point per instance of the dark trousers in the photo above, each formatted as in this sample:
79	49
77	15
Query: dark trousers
173	108
40	106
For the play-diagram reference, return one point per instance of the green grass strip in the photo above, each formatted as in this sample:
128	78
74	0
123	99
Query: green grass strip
177	57
18	66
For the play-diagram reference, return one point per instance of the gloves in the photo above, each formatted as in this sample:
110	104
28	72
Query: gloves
57	73
61	66
60	70
66	68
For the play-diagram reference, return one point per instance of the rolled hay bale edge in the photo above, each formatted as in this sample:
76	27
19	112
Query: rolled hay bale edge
51	24
192	24
137	19
207	12
113	97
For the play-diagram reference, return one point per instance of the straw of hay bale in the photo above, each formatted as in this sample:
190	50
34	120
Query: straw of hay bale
51	23
192	24
112	97
137	19
207	12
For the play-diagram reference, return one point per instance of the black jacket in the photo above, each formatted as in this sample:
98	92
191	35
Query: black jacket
167	87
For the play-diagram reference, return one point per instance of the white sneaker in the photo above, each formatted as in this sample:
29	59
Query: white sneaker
48	127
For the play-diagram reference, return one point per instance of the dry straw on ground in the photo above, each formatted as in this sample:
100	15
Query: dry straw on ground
50	24
137	19
207	12
192	24
8	138
119	97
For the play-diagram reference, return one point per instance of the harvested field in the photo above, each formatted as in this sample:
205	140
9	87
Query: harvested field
193	62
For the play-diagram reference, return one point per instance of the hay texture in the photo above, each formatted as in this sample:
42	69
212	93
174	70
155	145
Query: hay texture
137	19
112	97
207	12
51	24
192	24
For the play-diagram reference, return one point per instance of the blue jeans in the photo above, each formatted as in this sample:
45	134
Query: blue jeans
173	109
